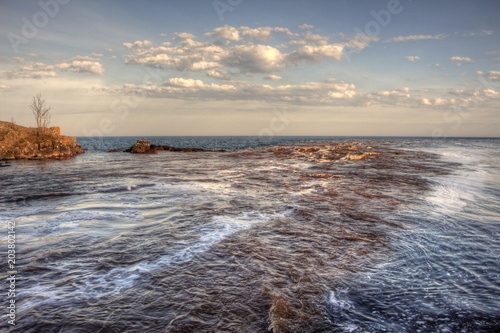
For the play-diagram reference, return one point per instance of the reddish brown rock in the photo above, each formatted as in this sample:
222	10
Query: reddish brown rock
142	147
19	142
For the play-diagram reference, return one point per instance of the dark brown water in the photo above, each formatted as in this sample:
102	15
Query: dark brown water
289	238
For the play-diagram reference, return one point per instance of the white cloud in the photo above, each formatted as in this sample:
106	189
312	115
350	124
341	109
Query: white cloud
255	58
138	44
81	66
491	93
461	59
329	92
183	36
39	70
216	74
315	38
403	92
413	58
226	32
414	38
273	78
186	55
493	76
314	54
479	33
306	27
360	41
35	70
438	102
263	33
244	55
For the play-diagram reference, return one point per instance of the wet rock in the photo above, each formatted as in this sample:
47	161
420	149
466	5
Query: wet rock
281	315
145	147
142	147
354	151
357	157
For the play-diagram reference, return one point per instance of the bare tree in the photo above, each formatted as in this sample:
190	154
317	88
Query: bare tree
41	112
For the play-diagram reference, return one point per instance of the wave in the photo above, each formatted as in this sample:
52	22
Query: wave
114	281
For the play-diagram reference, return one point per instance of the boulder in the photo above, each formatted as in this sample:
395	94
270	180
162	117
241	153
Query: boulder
142	147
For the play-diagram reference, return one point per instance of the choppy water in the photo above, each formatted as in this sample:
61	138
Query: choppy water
285	237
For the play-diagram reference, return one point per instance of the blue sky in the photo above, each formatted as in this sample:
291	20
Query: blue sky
240	67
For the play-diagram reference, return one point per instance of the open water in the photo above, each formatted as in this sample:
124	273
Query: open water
282	236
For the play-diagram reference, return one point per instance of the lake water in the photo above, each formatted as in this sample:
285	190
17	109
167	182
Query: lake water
271	235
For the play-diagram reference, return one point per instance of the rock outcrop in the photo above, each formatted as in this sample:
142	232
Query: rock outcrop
145	147
350	151
142	147
19	142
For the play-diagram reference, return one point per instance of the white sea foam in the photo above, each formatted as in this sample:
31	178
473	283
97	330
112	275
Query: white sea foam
338	302
118	279
75	218
452	193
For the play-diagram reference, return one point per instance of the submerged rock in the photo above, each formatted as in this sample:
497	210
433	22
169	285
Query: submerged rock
19	142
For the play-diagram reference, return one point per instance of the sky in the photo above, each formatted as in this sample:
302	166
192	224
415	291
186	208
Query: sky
266	68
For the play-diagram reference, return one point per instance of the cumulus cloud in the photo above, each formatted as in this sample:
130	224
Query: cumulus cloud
314	54
39	70
183	36
491	93
490	75
310	93
413	58
437	101
226	32
461	59
187	55
329	92
461	99
263	33
306	26
236	48
414	38
255	58
35	70
403	92
81	66
273	78
138	44
359	42
219	75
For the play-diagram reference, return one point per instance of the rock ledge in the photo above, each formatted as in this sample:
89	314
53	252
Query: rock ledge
19	142
145	147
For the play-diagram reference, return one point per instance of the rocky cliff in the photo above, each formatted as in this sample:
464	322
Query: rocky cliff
19	142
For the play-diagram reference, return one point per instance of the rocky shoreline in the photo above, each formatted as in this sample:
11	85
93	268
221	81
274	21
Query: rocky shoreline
19	142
